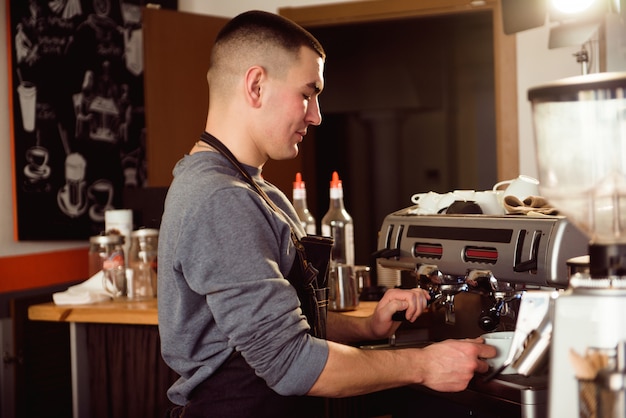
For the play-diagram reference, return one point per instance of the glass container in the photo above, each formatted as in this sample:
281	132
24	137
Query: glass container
143	263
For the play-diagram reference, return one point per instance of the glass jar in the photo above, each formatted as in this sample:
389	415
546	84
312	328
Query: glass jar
106	253
143	263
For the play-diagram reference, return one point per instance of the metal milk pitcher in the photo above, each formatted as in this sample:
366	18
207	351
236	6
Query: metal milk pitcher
344	288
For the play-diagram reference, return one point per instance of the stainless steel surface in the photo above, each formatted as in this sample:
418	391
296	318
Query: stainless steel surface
343	288
533	357
582	321
578	265
488	273
514	248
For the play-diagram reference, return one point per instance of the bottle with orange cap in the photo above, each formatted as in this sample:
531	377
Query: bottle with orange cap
299	203
337	223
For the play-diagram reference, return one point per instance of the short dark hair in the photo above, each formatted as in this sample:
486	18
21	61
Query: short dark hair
256	38
270	27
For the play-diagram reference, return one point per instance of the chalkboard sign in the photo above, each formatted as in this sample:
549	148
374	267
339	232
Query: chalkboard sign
78	120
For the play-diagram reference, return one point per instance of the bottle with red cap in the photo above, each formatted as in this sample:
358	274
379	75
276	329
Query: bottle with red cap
299	203
337	223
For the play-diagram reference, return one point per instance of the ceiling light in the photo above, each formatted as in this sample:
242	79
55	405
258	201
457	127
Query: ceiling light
571	6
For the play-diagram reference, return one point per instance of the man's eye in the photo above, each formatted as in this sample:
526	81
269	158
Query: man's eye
307	97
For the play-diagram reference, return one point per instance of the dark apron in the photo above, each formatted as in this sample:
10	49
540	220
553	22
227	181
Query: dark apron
308	276
234	390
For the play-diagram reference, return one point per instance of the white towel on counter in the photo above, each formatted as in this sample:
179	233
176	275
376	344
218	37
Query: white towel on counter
89	291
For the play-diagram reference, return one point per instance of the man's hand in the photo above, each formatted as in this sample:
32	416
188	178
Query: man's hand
413	301
448	366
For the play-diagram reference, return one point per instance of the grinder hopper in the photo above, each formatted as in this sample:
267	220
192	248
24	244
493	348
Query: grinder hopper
580	135
580	138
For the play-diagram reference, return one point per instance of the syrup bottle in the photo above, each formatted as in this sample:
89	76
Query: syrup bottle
337	223
299	203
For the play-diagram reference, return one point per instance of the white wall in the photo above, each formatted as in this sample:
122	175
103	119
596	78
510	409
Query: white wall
536	64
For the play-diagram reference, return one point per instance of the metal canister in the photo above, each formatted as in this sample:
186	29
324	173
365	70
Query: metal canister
343	288
143	263
106	253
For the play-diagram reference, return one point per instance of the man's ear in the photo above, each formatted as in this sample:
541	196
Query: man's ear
253	82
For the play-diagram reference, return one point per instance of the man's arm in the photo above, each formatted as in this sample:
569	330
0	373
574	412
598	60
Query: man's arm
447	366
349	371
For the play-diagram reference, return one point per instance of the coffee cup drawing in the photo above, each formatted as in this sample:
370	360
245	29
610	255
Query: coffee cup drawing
27	93
521	187
75	165
71	197
37	156
101	194
37	159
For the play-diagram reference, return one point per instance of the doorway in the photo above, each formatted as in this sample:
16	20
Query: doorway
408	107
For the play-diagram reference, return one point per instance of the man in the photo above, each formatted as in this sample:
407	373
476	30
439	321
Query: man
230	322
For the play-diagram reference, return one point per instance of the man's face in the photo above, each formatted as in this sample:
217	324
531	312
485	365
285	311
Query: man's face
290	106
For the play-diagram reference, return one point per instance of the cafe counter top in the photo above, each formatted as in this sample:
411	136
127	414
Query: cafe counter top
98	333
110	312
124	312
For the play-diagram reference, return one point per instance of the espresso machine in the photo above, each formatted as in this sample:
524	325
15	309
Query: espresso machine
580	136
498	256
482	272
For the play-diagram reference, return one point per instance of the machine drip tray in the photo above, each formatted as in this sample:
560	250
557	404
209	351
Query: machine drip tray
520	389
506	396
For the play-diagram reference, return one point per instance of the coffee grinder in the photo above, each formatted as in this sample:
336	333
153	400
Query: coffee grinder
580	137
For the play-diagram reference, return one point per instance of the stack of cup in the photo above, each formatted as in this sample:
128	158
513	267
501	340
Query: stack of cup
387	277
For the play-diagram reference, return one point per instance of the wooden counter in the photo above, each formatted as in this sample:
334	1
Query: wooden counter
125	312
110	312
136	322
364	309
115	317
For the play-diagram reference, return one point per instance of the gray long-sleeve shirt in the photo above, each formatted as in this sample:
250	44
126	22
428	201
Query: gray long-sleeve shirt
223	258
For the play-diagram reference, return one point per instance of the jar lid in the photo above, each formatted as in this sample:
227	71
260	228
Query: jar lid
602	86
145	232
107	239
